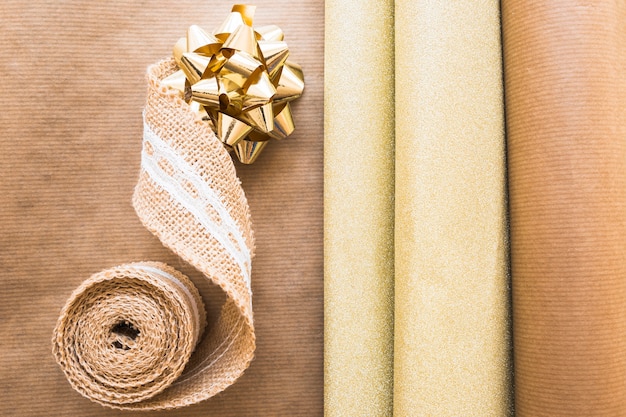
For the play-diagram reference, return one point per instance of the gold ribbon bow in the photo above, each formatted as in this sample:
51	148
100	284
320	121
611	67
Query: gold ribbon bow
239	79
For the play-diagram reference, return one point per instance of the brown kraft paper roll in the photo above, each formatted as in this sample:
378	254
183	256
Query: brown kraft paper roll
565	94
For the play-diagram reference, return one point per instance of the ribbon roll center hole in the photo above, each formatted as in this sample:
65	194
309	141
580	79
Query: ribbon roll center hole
124	335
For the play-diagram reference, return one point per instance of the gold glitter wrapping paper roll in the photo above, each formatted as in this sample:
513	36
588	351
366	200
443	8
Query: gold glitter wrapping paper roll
358	208
566	115
452	348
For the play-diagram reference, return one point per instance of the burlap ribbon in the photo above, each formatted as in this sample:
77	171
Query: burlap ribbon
131	337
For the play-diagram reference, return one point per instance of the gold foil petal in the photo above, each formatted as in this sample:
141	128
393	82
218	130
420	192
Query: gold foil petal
243	39
256	136
261	118
213	114
177	81
230	130
179	49
248	151
283	124
217	63
199	111
276	78
246	11
194	66
259	93
202	42
240	68
296	70
231	97
232	22
206	92
291	83
275	54
271	33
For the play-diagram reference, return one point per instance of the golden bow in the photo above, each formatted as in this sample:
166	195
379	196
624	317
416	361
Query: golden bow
239	79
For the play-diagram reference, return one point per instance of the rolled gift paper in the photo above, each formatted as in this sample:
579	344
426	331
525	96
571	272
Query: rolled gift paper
358	208
189	196
566	118
452	343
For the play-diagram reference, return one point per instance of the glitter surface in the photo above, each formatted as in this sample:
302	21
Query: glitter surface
358	208
452	345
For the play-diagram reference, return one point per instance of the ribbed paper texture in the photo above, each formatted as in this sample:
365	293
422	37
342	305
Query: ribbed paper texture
566	114
73	89
451	353
358	208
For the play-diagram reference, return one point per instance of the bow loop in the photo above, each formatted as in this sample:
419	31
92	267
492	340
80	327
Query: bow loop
240	79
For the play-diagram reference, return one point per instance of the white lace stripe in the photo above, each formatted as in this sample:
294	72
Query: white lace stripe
183	287
195	205
202	366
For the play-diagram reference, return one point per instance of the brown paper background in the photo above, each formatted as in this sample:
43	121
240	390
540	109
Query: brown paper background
565	94
72	78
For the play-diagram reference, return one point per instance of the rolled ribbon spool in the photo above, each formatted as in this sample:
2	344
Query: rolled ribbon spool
124	336
138	325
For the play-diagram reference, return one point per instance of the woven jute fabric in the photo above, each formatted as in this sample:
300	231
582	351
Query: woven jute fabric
73	92
125	337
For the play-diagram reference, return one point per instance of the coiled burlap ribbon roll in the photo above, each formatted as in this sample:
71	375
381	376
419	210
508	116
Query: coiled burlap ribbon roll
126	336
